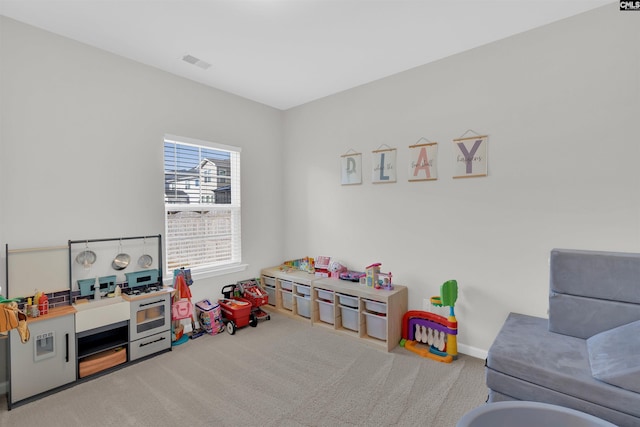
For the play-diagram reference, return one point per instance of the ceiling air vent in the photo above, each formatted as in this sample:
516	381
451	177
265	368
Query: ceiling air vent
196	61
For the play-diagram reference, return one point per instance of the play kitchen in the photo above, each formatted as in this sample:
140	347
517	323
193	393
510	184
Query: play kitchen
101	305
125	270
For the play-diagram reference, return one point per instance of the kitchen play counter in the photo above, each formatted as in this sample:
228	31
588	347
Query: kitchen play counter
55	312
163	291
48	360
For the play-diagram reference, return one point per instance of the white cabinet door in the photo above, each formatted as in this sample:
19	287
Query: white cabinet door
46	361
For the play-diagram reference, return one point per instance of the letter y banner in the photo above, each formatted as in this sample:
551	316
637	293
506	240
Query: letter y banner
470	156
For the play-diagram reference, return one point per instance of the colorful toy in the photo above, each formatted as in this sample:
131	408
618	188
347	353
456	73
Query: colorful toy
209	317
252	292
303	264
182	308
376	279
352	276
438	332
336	267
321	266
236	311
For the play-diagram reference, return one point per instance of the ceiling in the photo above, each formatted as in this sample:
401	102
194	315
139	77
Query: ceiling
285	53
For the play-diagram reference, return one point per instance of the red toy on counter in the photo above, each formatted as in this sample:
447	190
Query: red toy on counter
43	304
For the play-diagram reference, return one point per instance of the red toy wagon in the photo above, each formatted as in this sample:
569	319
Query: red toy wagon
252	292
236	311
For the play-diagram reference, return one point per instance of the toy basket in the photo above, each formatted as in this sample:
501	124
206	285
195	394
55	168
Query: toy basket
254	293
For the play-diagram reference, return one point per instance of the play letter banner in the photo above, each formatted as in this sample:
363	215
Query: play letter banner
470	155
384	166
423	162
351	169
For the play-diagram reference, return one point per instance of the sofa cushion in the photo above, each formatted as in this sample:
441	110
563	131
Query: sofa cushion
527	350
614	356
511	388
610	276
584	317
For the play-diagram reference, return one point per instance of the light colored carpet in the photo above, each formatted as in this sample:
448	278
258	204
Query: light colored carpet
284	372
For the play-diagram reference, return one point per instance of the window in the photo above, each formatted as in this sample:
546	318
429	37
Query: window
202	217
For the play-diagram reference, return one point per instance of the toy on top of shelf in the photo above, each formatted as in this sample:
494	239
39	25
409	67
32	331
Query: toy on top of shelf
336	267
303	264
376	279
322	266
438	332
352	276
371	274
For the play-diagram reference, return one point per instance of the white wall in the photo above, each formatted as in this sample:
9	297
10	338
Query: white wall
560	105
82	141
81	148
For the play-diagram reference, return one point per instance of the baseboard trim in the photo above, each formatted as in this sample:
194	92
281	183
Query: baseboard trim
4	387
472	351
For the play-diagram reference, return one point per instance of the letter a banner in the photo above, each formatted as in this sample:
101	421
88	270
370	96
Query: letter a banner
470	155
423	159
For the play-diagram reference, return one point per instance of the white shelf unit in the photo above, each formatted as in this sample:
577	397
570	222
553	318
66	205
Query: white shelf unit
373	315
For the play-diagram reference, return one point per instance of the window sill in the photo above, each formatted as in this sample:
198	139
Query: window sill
211	272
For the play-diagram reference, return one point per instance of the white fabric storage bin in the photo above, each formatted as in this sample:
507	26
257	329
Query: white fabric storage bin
349	318
303	289
325	295
348	300
271	292
376	325
325	309
304	306
285	284
375	306
269	281
287	299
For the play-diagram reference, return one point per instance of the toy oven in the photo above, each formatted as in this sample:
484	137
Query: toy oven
149	316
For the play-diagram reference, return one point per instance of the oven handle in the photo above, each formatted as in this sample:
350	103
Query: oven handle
152	342
151	303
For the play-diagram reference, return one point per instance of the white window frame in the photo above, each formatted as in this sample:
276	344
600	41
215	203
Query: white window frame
214	268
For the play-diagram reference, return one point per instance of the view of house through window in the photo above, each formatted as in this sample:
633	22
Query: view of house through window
202	205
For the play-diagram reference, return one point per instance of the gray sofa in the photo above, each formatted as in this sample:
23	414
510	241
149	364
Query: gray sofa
586	356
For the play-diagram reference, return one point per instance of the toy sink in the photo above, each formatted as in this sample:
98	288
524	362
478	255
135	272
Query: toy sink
108	283
102	312
97	303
